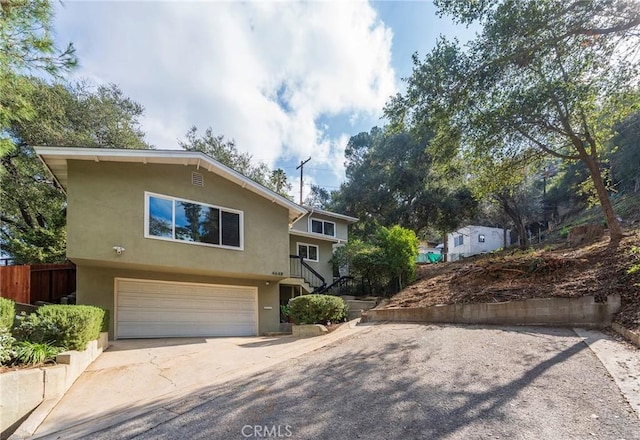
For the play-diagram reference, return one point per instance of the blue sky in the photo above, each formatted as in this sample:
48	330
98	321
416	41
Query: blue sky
286	80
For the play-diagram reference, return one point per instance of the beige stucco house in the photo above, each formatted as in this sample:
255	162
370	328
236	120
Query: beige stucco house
175	244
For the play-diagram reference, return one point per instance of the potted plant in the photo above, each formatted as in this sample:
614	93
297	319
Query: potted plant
285	313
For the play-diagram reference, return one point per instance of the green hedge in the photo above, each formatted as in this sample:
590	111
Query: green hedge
105	320
7	313
318	309
64	325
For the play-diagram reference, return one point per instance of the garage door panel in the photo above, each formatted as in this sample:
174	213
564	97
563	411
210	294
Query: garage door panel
148	315
158	301
162	309
172	331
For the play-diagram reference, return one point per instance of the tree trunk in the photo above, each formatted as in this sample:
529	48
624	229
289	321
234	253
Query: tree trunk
615	231
504	237
445	247
514	214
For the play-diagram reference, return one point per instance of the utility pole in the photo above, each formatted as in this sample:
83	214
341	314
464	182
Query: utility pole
301	166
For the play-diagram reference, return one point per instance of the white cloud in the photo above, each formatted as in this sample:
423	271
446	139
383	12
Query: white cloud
262	73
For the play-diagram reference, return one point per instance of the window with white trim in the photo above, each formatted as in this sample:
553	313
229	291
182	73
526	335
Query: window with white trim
309	252
481	238
323	227
458	241
171	218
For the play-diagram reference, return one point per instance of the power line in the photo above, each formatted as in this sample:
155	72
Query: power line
313	169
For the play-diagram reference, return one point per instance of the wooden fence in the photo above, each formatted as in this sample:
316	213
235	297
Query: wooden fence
37	282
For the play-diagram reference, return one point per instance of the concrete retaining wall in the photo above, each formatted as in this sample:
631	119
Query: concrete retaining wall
308	330
630	335
22	391
583	311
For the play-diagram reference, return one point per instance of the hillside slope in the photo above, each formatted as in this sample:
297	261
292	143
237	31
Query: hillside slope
600	268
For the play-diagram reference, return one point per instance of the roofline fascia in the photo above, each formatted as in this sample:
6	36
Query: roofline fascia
332	214
177	154
51	173
316	236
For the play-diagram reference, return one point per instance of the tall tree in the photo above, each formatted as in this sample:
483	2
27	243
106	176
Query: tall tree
226	152
26	46
278	182
508	183
32	206
392	180
318	197
552	76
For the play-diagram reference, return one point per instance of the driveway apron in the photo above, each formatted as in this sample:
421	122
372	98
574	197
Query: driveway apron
135	372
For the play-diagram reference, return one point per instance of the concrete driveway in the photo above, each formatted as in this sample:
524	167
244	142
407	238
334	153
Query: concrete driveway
394	381
136	373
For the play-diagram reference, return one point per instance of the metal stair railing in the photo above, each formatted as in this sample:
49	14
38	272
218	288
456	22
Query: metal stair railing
301	269
339	286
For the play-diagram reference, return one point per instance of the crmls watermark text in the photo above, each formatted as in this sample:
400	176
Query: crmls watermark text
266	431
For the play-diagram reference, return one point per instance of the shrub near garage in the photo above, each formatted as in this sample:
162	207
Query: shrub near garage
70	326
318	309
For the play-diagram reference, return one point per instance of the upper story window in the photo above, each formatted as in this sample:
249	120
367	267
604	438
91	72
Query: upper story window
309	252
458	241
170	218
323	227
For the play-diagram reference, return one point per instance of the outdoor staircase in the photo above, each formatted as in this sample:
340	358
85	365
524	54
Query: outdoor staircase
357	306
310	279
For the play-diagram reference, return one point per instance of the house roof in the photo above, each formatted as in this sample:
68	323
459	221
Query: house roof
316	236
346	218
55	159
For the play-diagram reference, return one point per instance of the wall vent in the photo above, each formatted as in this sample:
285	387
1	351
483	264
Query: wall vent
197	179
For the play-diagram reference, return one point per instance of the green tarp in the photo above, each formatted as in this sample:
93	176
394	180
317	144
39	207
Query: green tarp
429	258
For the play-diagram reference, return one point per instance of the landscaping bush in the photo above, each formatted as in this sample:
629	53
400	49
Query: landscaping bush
318	309
7	347
34	353
69	326
7	313
35	329
386	261
105	321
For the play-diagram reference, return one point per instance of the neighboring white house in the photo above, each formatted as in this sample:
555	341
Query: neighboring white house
474	240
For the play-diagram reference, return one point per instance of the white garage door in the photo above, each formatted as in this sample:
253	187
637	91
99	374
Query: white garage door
158	309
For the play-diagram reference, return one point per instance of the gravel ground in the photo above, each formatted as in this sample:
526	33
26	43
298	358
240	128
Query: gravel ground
410	381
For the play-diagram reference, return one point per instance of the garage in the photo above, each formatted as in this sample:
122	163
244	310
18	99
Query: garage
162	309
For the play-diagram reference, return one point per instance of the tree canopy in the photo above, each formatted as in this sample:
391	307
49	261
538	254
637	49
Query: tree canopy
26	47
391	179
551	77
32	206
226	152
385	259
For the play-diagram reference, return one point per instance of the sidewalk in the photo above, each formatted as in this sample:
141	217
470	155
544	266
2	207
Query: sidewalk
621	361
133	376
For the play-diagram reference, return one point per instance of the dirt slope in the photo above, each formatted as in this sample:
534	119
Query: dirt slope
599	269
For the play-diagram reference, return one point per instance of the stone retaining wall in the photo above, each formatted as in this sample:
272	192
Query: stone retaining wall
21	391
583	311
